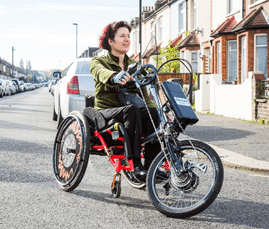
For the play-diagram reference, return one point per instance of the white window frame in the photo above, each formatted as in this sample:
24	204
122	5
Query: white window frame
243	58
152	32
218	57
230	5
228	60
160	29
181	15
255	52
195	14
256	2
194	61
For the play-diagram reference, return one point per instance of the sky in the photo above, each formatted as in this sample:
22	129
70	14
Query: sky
42	31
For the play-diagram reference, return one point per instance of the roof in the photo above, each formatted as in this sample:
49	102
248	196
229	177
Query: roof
255	19
176	40
191	40
226	27
152	51
136	57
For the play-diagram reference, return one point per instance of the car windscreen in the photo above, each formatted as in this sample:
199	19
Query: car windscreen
83	67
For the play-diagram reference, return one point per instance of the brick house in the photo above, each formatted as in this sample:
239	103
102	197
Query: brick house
238	48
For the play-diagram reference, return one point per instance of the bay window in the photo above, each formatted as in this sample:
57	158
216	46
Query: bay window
243	59
260	49
232	61
194	61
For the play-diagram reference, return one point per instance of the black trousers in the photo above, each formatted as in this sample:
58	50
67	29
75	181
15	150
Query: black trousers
136	121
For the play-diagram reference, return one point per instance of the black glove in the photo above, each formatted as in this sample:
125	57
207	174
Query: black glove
118	78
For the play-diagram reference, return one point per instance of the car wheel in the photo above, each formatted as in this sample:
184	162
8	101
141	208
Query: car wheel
60	117
2	94
54	116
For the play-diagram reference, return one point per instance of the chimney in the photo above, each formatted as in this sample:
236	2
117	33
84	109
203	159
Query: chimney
158	4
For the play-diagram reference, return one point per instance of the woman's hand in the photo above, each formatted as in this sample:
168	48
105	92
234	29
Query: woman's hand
121	78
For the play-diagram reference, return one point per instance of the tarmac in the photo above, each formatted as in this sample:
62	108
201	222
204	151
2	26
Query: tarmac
239	143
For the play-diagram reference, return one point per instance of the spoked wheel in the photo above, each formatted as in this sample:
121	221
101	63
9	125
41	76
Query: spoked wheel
71	151
189	193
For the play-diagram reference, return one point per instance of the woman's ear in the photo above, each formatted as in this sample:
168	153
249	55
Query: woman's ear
109	41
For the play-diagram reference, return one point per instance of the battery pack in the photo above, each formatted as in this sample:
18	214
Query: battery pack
179	103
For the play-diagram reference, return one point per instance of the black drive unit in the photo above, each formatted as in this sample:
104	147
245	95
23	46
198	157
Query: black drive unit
179	103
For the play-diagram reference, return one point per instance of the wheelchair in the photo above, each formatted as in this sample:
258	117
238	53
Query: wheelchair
194	170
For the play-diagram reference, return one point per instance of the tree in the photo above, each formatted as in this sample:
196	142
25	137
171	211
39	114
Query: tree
29	66
168	53
21	64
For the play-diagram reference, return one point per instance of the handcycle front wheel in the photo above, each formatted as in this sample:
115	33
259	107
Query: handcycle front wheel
129	177
189	193
71	151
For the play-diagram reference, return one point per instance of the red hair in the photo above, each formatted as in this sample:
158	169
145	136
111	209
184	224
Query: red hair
109	32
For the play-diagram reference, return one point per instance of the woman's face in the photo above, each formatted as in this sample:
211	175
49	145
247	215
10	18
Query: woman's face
121	42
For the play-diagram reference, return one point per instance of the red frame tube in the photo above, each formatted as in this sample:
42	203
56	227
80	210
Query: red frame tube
114	159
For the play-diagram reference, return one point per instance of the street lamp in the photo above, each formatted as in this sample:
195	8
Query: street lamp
12	69
76	39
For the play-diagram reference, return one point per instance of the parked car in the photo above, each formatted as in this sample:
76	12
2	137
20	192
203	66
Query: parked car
2	89
17	85
7	91
73	86
12	87
51	83
22	86
29	86
53	87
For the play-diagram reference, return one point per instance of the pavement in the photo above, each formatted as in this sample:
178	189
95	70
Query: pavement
239	143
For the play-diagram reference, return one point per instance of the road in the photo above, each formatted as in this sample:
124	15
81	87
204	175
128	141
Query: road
31	198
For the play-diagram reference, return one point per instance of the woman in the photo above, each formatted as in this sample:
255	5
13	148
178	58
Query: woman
109	72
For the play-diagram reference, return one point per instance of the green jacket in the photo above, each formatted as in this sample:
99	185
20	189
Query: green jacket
105	91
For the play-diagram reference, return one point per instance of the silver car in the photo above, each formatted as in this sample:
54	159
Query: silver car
10	84
71	88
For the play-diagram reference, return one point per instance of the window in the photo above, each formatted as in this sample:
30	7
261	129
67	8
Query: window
260	61
233	6
218	58
232	60
194	61
152	32
181	17
160	29
194	14
243	59
83	67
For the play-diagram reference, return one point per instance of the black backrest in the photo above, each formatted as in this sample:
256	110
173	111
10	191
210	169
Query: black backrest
89	101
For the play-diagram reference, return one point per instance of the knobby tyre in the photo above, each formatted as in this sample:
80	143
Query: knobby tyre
195	189
71	151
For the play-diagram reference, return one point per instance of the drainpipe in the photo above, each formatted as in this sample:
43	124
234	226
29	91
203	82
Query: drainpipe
243	9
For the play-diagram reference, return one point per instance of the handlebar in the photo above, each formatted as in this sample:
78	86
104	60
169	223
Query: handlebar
147	71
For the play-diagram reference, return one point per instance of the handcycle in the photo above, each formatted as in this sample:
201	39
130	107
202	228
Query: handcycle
194	170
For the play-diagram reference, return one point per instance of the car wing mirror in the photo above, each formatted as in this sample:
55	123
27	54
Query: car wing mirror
57	74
